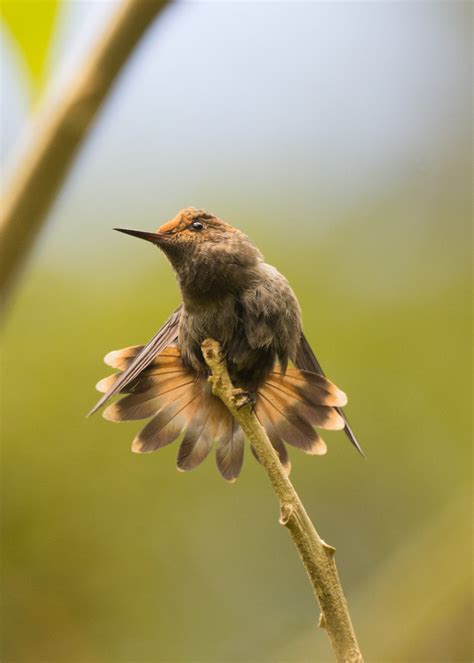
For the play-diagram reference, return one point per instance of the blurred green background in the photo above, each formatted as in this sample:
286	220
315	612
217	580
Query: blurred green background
338	136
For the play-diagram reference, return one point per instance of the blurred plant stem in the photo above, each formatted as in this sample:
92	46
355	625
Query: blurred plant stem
38	179
316	555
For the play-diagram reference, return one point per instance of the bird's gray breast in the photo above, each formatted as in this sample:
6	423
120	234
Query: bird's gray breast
254	328
219	319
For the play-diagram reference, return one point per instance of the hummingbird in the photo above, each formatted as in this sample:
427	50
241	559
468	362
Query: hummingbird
229	293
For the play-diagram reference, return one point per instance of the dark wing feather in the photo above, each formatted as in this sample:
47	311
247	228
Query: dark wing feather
163	337
305	357
306	360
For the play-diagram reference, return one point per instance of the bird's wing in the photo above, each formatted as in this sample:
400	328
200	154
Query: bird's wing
306	360
165	336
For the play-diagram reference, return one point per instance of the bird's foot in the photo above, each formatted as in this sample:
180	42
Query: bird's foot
223	357
241	398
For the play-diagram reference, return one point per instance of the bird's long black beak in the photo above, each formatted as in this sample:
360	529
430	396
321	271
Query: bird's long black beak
154	238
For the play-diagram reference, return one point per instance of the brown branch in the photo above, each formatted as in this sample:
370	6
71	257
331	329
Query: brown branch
316	555
40	175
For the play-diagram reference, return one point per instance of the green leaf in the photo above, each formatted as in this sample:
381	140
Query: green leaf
31	24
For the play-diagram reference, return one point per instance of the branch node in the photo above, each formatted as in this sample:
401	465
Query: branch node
208	353
354	656
211	350
286	511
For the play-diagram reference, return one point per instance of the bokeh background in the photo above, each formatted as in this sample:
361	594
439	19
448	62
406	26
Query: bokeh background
338	136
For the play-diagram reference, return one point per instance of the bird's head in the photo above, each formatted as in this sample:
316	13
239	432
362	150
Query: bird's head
203	249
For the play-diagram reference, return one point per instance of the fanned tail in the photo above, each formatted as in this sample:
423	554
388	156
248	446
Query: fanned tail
229	448
177	401
306	360
290	405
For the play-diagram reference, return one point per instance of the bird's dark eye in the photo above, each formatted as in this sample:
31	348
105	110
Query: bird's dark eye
197	225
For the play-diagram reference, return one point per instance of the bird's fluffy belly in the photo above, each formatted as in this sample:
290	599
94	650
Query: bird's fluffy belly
225	322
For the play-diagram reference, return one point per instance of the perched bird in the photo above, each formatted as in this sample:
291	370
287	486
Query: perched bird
232	295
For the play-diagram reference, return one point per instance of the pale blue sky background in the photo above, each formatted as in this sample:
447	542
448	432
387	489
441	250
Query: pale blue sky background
274	115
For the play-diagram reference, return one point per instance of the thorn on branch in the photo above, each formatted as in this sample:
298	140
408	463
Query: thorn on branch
329	549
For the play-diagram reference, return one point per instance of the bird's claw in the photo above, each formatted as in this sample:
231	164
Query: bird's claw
241	398
222	356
